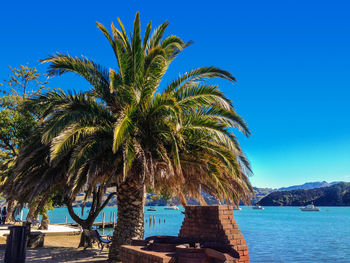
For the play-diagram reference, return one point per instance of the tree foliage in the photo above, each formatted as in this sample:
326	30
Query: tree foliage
16	121
179	135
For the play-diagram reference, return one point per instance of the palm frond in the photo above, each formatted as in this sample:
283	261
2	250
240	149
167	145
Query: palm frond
199	74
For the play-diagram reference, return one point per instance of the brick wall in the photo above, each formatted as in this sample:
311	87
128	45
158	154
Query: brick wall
136	254
216	224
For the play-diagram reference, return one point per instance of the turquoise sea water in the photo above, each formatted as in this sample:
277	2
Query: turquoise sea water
276	234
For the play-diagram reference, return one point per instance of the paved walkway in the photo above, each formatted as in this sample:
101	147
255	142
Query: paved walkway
59	248
61	254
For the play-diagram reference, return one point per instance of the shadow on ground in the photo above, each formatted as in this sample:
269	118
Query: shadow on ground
61	254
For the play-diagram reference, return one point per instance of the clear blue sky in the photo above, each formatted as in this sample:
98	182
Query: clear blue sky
291	59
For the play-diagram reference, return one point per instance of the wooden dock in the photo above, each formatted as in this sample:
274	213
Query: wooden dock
112	222
95	224
103	224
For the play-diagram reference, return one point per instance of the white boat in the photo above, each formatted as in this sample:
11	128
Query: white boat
309	208
151	209
258	207
237	208
171	207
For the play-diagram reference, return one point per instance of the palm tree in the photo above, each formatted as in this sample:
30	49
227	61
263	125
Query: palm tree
35	181
179	137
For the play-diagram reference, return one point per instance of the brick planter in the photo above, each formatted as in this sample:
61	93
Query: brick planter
191	255
209	234
137	254
214	224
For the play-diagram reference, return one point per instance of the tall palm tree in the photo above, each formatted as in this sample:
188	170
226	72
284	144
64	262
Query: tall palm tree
177	137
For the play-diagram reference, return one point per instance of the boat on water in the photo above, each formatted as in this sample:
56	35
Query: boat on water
171	207
237	208
258	207
309	208
151	209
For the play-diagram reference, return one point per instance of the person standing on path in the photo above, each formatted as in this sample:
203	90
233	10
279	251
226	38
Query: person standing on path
3	215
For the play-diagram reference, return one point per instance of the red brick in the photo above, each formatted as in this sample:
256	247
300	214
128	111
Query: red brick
214	223
244	258
242	247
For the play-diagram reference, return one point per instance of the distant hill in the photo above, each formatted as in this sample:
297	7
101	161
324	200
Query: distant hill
334	195
262	192
259	194
306	186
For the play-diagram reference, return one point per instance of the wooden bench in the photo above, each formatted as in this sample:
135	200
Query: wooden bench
94	236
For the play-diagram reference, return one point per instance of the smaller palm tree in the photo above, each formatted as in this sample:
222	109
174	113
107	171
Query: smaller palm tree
35	181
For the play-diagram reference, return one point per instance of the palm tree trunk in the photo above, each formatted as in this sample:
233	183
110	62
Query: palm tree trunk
11	204
31	214
130	222
44	224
